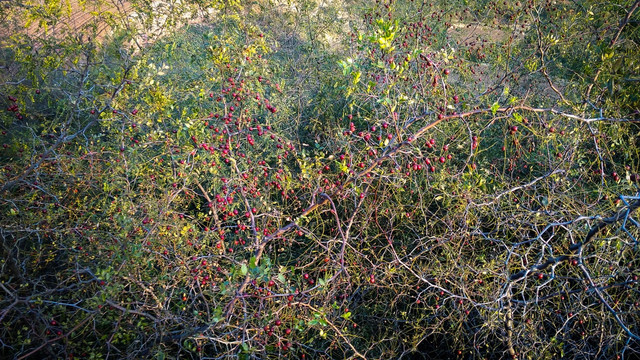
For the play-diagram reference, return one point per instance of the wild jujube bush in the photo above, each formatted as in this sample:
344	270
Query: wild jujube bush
262	180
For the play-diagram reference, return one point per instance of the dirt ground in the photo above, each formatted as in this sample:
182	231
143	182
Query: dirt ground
76	17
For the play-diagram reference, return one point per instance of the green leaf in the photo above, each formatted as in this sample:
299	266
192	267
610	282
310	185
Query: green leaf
517	116
494	108
346	66
356	77
217	316
346	315
343	167
243	269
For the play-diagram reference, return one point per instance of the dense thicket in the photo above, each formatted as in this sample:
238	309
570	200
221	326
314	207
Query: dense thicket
319	179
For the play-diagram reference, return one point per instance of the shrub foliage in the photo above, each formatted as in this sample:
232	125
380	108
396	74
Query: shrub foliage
341	179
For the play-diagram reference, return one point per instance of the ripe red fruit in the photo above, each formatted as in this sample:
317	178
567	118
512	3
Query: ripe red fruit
272	284
287	331
446	71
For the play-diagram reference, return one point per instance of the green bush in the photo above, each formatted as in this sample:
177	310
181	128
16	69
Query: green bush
306	179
